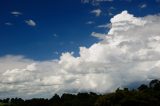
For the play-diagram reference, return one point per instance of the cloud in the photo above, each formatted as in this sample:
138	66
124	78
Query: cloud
110	14
8	24
98	35
143	6
90	22
30	23
95	2
127	0
56	53
55	35
16	13
105	26
157	1
128	53
97	12
112	8
71	42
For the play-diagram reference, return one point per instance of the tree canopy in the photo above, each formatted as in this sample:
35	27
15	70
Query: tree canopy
144	95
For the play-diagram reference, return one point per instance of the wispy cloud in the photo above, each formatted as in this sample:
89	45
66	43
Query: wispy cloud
90	22
157	1
8	24
30	23
16	13
71	42
98	35
110	14
104	26
127	0
55	35
95	2
111	10
56	53
97	12
143	6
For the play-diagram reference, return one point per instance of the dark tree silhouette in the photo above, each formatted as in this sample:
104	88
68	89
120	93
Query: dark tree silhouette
144	95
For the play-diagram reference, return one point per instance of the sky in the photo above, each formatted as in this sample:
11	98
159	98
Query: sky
42	30
70	46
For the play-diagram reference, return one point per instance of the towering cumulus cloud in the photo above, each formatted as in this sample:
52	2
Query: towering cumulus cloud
129	53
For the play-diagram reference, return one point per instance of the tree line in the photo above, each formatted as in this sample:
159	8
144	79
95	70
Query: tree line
144	95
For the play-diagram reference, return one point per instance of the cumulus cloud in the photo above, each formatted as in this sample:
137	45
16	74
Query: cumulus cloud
97	12
128	53
30	23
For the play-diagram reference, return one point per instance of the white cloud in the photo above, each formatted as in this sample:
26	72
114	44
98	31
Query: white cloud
105	26
55	35
30	23
143	6
130	52
71	42
127	0
16	13
8	24
90	22
98	35
157	1
95	2
56	53
97	12
110	14
112	8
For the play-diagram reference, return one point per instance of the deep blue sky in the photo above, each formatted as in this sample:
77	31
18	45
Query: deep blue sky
64	18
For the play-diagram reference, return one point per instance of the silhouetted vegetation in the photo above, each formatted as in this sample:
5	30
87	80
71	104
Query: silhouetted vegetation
144	95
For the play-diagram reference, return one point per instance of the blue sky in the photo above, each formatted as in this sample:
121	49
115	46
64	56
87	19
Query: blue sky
60	25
